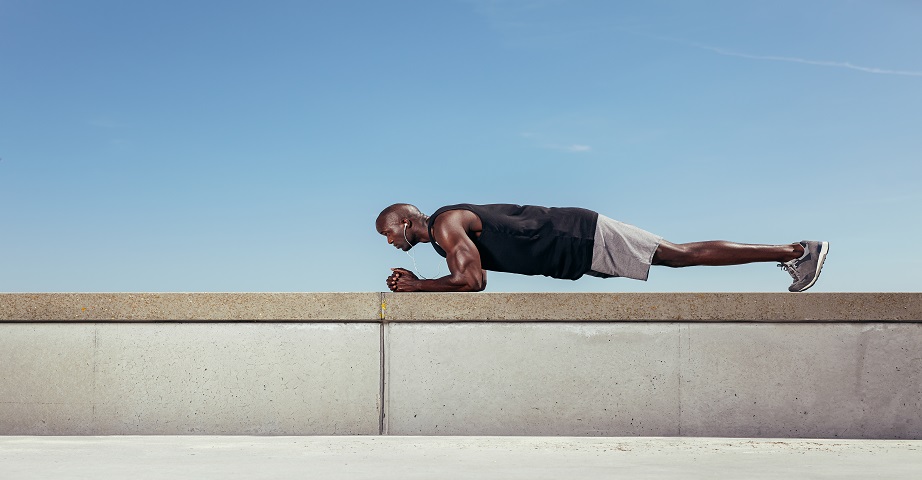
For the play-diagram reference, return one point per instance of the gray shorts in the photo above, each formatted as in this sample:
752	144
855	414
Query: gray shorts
622	250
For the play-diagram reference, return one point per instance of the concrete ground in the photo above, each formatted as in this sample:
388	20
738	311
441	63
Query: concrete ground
393	457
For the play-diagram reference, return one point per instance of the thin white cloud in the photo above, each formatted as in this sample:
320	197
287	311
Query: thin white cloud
574	148
821	63
579	148
778	58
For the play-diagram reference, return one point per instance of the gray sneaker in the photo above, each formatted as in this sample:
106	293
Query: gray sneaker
806	269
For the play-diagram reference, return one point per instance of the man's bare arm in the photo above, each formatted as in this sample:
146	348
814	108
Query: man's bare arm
451	230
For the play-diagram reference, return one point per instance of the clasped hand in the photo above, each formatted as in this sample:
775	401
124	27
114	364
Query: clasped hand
402	280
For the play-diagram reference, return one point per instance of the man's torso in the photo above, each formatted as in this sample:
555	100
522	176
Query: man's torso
530	240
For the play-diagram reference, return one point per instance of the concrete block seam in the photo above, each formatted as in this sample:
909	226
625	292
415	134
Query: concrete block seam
382	377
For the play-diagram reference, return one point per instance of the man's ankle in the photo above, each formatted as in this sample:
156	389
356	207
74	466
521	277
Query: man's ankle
799	251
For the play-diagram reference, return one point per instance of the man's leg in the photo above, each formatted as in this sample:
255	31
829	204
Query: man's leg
802	260
719	253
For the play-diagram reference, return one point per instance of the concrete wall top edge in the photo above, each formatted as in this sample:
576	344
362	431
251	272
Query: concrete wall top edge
706	307
143	306
455	307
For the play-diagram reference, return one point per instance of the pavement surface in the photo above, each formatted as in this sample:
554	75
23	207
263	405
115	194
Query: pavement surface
393	457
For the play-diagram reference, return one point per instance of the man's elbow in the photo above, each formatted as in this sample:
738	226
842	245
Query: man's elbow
476	285
470	284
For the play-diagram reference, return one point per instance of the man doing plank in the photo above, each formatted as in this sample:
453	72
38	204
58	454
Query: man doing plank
562	243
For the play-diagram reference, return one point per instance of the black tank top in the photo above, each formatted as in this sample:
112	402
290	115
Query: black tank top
531	240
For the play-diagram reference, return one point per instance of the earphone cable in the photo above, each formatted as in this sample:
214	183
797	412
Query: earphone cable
415	266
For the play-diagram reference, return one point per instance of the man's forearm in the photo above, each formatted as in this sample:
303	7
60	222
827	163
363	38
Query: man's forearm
448	283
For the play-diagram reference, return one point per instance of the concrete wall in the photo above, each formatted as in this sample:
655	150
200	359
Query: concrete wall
176	378
746	365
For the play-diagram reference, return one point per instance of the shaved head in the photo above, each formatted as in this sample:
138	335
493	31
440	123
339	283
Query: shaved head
403	225
394	213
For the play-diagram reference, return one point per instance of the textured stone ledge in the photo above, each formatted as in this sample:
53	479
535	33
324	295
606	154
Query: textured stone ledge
96	307
708	307
460	307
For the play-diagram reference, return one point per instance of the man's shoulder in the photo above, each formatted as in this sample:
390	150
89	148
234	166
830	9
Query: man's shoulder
455	219
452	208
453	215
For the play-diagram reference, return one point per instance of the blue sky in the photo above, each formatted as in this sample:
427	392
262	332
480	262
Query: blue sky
248	146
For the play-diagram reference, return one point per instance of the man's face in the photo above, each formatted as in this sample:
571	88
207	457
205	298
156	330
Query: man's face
395	235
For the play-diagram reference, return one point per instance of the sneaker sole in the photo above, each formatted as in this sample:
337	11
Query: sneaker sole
824	249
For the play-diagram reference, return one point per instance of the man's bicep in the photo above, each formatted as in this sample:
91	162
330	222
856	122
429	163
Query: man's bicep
461	253
460	250
464	257
465	267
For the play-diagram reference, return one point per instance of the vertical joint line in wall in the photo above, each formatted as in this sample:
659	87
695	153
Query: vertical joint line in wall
683	332
382	418
95	364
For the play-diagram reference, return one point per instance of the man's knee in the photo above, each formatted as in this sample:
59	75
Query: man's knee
672	255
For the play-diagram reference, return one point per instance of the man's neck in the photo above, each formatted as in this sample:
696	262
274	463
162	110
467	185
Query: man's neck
424	237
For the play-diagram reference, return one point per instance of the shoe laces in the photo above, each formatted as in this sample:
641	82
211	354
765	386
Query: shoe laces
790	267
